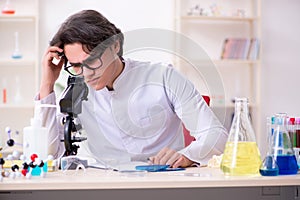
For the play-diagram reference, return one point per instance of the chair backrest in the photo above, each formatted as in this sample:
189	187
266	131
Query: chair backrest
187	136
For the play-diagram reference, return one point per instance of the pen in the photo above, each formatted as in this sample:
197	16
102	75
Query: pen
149	159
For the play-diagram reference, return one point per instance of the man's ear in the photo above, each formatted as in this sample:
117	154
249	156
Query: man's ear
116	47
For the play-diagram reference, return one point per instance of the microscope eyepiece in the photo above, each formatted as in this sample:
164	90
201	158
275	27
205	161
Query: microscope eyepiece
73	95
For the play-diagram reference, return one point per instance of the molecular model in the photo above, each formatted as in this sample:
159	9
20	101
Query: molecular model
33	167
10	142
36	166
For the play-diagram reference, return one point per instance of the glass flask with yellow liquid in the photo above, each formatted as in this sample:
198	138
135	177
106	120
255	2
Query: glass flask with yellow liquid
241	155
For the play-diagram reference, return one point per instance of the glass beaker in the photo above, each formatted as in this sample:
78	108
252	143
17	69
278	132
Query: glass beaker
281	147
269	166
241	155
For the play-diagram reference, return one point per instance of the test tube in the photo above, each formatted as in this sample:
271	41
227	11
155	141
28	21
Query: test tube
292	130
4	95
4	91
16	54
297	131
296	140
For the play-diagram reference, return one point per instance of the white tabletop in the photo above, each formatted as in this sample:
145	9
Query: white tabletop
100	179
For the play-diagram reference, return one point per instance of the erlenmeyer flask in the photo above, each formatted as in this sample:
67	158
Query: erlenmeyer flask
8	8
241	155
269	166
281	146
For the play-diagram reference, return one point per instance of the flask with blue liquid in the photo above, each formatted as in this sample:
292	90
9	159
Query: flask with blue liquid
281	149
269	165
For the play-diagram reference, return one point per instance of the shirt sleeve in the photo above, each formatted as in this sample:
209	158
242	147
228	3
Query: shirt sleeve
198	118
51	119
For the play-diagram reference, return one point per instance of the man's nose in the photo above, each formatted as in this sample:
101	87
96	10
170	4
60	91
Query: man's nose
87	72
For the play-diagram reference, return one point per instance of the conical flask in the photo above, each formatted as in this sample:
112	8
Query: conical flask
281	146
8	8
269	165
241	155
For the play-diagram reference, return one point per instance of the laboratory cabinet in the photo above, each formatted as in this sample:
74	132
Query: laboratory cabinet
229	33
18	64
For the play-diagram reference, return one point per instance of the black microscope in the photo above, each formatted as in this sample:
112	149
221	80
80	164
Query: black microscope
71	105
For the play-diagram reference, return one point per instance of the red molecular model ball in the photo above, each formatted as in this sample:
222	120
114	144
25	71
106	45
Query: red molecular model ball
33	157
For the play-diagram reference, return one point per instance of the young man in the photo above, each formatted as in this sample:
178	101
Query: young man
135	110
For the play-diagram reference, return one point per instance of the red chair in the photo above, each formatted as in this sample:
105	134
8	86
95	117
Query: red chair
187	136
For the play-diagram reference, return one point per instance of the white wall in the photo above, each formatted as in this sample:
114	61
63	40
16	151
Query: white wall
280	40
127	15
281	58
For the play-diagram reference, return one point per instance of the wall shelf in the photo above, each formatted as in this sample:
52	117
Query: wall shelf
219	18
236	61
229	61
16	106
17	62
19	77
17	18
239	77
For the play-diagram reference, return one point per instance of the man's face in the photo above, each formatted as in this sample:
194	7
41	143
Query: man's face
96	78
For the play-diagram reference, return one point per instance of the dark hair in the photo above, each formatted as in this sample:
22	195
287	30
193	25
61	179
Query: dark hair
91	29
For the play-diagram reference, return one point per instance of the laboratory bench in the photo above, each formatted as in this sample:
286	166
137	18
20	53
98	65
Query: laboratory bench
192	183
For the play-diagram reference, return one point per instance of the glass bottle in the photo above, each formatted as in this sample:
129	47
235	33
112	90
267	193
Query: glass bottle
241	155
269	166
281	146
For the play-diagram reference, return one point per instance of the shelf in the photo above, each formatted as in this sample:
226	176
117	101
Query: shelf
17	62
17	106
235	62
230	105
221	106
220	62
17	18
20	77
9	150
219	18
238	76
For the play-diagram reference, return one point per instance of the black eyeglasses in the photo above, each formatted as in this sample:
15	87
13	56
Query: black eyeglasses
76	69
